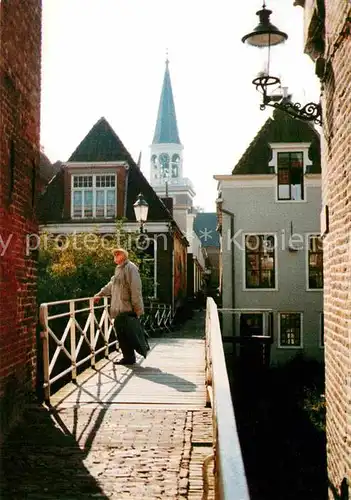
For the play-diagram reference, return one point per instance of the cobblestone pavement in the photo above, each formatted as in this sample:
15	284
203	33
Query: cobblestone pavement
107	452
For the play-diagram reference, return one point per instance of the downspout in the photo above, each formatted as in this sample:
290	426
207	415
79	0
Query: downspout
231	215
126	179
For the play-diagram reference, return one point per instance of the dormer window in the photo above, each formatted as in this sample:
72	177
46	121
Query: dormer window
93	196
290	176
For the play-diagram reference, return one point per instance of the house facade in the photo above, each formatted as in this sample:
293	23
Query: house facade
327	28
271	251
98	186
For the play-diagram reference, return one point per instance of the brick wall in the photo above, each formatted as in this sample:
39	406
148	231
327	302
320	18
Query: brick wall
337	256
20	45
328	37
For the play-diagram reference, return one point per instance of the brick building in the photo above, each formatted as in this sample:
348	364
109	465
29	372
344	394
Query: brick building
327	26
20	64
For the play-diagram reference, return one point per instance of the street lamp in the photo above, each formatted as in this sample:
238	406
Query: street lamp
141	209
266	35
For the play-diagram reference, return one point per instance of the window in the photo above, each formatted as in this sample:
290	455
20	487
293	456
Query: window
315	262
164	161
259	261
251	324
290	176
321	324
175	165
93	196
290	334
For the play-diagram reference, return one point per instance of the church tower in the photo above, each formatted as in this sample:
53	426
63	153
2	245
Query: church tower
166	161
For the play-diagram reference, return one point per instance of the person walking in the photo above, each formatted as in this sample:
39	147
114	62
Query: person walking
125	290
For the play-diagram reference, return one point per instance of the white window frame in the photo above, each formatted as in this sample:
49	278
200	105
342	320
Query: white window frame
93	189
290	147
301	331
260	233
308	289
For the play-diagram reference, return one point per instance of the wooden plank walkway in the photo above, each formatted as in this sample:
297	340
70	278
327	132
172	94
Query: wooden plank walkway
172	374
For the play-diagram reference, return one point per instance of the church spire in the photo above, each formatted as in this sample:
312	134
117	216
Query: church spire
166	130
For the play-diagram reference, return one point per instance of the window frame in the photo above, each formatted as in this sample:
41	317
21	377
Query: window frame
283	346
275	263
308	288
290	147
93	188
290	199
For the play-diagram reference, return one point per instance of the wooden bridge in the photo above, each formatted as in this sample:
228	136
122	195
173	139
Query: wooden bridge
162	428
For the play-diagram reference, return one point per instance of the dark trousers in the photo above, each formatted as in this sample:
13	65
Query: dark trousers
123	338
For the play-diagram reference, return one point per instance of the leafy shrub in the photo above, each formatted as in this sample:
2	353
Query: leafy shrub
78	265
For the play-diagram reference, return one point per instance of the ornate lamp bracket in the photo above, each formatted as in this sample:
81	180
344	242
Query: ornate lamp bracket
310	112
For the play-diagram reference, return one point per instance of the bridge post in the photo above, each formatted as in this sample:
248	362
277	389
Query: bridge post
92	331
44	335
106	326
73	339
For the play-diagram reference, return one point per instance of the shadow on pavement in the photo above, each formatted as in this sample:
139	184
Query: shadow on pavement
164	378
40	460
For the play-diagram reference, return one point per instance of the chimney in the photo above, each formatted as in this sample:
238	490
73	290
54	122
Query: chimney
168	202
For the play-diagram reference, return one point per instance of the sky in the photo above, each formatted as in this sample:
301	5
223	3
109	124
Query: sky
107	58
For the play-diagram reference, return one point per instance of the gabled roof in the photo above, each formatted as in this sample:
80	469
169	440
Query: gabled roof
205	227
51	202
166	130
280	128
47	170
101	144
136	184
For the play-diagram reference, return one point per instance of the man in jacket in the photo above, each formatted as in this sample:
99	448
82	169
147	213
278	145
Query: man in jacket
125	290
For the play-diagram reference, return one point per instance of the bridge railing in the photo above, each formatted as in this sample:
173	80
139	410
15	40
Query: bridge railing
157	317
76	331
230	478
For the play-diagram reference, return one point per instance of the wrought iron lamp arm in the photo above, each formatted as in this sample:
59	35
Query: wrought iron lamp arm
309	112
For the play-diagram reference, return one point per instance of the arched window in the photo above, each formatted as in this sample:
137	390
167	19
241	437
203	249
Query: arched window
175	165
164	165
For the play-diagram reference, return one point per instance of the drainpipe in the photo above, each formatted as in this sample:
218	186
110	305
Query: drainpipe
231	215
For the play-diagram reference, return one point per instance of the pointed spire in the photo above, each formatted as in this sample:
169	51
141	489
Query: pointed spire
166	130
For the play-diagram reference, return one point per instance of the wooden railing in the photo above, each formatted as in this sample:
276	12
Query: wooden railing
230	478
74	332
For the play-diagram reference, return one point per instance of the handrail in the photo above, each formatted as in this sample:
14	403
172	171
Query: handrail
79	341
93	334
230	478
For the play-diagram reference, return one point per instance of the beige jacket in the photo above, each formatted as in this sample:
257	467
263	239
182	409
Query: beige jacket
125	290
